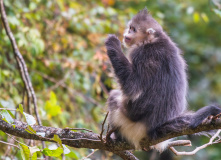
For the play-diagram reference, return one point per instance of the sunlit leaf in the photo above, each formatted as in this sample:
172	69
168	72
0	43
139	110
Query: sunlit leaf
31	129
51	105
20	108
57	139
34	156
55	153
72	154
25	152
205	17
196	17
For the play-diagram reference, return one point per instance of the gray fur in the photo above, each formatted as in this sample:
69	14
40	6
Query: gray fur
153	85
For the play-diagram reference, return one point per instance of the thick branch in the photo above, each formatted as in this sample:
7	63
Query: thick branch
91	140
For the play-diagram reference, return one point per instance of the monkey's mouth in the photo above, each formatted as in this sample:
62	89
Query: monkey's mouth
127	39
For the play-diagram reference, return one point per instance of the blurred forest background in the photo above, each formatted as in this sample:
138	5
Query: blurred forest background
62	42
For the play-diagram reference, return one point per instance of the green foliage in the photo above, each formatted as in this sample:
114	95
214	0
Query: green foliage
6	116
29	153
54	153
51	106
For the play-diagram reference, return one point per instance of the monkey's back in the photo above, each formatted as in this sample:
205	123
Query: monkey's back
161	78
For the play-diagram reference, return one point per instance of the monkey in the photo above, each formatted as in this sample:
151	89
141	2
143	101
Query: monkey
151	98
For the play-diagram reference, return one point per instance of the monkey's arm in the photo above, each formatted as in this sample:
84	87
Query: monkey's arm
122	67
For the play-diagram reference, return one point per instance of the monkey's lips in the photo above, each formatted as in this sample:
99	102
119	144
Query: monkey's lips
127	39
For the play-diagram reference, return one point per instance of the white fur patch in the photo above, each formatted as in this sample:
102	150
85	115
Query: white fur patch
150	30
132	131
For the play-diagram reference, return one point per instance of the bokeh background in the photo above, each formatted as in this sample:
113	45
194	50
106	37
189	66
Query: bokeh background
62	42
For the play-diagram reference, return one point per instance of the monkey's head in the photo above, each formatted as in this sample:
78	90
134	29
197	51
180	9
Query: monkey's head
142	29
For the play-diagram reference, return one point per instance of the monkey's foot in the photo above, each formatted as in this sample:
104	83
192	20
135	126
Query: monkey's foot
211	118
208	120
108	136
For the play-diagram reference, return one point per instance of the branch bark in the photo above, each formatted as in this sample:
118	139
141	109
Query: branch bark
91	140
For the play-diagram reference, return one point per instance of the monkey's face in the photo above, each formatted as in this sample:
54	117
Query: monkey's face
133	35
141	30
137	35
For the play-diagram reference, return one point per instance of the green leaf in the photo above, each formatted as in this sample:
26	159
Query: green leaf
20	108
53	98
205	17
31	129
72	155
54	153
57	139
25	152
51	106
12	115
6	116
196	17
34	156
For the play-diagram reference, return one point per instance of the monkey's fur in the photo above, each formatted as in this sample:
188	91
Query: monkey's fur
153	84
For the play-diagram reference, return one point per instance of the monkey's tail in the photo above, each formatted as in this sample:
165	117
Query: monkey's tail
188	120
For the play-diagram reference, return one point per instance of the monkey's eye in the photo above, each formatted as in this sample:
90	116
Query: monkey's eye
133	29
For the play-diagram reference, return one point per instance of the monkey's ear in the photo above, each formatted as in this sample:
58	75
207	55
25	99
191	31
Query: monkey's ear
150	31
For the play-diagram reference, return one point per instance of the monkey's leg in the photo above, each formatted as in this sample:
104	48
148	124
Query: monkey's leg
114	102
203	114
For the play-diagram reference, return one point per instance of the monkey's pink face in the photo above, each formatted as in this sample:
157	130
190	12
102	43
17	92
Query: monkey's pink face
132	36
129	36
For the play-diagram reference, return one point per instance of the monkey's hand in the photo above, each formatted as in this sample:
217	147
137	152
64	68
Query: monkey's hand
113	44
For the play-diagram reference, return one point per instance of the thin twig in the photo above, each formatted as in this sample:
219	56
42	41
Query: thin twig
77	139
103	87
16	140
21	63
102	129
9	148
180	143
90	154
9	144
198	148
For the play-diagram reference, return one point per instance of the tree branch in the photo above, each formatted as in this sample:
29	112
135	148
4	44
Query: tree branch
22	66
91	140
21	63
